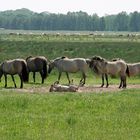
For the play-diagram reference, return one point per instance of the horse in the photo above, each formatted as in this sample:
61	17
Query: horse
67	65
12	67
38	64
133	69
104	67
56	87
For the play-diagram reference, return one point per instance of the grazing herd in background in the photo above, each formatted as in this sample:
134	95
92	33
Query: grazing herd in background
40	64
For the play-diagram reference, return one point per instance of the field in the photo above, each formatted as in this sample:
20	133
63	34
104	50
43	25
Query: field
92	113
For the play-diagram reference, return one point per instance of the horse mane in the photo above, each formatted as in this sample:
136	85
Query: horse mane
99	58
117	59
59	58
95	69
63	57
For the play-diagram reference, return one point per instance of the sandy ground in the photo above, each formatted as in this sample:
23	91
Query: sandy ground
85	89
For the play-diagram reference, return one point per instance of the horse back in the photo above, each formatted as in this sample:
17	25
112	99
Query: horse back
36	63
116	67
72	65
134	69
13	66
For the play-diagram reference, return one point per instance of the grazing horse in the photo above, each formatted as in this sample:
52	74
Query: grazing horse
64	64
37	64
12	67
104	67
133	69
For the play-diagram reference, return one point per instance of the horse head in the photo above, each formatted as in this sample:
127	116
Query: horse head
50	65
28	57
97	63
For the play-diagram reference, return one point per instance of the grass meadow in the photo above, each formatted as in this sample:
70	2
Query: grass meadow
69	116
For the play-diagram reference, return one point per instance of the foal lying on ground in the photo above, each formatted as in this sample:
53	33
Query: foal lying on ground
63	88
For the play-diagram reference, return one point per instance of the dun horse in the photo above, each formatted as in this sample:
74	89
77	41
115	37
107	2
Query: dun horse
37	64
12	67
64	64
104	67
133	69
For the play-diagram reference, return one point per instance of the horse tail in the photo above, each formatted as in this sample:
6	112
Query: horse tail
45	72
25	74
127	71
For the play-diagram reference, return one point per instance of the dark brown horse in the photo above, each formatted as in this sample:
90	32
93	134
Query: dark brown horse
38	64
12	67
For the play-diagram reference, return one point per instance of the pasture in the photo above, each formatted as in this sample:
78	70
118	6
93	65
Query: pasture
93	113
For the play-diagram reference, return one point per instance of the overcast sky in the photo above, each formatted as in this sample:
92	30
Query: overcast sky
101	7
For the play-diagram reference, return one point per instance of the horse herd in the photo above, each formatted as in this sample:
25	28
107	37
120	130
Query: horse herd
41	64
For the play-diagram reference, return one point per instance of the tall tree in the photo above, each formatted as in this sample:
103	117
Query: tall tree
122	21
135	21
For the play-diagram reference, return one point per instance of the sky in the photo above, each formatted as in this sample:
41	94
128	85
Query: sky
100	7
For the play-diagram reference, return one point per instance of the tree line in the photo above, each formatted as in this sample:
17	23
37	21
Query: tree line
29	20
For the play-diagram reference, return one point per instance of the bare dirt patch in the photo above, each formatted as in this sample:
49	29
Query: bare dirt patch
85	89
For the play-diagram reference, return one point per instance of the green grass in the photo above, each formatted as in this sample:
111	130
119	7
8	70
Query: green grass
13	46
70	116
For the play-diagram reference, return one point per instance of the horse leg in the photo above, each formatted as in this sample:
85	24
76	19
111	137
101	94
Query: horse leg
59	76
5	80
102	80
41	73
68	77
81	80
84	77
121	82
106	77
124	82
34	76
21	85
13	81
